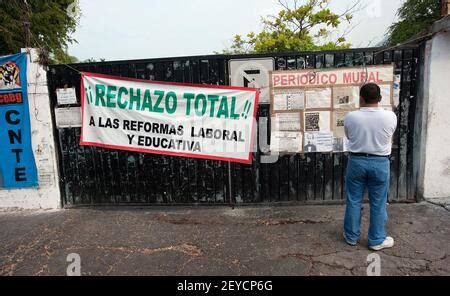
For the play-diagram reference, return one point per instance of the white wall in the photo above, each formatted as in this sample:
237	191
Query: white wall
435	180
47	196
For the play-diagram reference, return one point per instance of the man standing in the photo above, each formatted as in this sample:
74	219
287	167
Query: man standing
369	131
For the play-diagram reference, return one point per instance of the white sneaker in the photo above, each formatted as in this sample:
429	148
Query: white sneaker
388	243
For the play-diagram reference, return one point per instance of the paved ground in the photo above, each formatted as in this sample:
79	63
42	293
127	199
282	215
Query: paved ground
295	240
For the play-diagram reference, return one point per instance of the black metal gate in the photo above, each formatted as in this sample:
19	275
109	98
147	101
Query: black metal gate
94	176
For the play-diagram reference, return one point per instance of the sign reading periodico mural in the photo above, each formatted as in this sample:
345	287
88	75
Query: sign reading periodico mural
340	76
17	164
199	121
315	103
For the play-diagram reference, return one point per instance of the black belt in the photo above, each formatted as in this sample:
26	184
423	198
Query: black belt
367	155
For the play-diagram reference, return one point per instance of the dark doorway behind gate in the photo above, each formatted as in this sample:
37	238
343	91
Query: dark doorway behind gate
97	176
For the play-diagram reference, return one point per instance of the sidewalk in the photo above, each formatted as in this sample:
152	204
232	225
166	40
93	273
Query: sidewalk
295	240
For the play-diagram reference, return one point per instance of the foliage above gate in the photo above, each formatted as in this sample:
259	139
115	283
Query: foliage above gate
414	17
42	24
311	26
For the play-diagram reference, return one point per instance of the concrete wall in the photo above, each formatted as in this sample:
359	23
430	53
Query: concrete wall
47	196
434	178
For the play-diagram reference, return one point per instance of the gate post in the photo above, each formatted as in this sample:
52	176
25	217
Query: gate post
434	171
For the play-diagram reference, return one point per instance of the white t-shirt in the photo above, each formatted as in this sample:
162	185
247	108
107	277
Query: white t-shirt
370	130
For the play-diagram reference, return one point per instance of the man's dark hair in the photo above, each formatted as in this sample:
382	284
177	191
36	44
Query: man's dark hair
371	93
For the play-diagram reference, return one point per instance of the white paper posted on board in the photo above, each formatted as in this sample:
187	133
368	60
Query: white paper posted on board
289	142
318	98
66	96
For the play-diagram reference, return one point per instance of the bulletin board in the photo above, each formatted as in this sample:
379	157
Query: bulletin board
308	106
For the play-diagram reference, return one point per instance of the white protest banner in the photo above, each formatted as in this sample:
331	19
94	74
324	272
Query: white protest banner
198	121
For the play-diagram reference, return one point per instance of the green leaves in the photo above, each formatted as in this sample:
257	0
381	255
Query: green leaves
414	17
51	26
297	28
348	17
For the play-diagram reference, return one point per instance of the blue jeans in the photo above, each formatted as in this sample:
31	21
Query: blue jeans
373	173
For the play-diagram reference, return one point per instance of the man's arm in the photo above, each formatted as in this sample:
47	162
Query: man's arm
346	124
394	121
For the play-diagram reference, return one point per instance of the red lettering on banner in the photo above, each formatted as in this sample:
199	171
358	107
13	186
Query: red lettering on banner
291	79
363	76
339	76
333	78
375	77
304	79
276	80
347	78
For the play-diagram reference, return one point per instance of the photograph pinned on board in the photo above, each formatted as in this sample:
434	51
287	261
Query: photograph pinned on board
346	97
338	123
340	144
318	142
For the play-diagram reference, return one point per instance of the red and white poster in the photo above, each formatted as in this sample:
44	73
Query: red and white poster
199	121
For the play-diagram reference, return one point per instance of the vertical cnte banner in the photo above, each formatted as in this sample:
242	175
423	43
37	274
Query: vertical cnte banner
17	164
